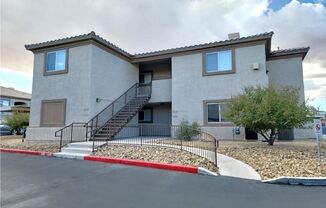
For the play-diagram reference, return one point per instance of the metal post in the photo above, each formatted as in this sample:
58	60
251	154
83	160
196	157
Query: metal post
72	127
93	145
215	151
318	148
86	130
60	140
181	138
90	136
141	135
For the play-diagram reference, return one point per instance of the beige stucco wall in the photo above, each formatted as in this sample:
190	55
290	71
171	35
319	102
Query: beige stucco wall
161	91
93	73
110	76
190	88
286	72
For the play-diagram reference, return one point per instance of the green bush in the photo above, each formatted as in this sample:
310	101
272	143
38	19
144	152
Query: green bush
266	110
17	121
186	131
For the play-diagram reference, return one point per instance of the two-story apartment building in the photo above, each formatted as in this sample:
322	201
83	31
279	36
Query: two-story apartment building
12	100
75	78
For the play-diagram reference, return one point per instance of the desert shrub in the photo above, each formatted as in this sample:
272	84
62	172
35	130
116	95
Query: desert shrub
187	131
17	121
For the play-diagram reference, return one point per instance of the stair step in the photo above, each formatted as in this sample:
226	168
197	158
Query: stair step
109	129
126	112
104	136
121	116
77	150
70	155
108	132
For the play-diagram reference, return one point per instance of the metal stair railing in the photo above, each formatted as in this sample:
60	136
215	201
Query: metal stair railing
68	133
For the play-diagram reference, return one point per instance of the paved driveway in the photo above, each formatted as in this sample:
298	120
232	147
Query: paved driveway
34	181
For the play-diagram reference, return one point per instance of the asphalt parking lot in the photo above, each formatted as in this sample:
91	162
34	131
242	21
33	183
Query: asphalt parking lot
35	181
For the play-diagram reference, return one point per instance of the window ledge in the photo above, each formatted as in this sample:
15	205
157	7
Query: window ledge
48	73
219	124
205	73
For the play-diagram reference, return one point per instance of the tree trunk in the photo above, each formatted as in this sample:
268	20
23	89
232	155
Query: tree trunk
272	137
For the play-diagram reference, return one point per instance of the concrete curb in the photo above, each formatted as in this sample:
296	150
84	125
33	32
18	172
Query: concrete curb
139	163
204	171
27	152
306	181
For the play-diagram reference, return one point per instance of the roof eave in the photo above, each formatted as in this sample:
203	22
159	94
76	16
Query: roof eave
267	37
300	52
90	36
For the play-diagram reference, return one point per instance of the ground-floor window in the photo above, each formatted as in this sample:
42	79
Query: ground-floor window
53	112
145	116
215	112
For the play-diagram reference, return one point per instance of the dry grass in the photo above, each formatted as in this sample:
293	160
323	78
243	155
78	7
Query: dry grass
15	142
291	158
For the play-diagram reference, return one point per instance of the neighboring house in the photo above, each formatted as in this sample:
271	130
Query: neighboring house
77	77
12	100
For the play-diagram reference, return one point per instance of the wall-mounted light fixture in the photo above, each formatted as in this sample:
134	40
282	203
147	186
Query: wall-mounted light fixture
102	99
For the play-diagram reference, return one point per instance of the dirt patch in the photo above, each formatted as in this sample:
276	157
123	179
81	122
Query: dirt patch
295	158
15	142
156	154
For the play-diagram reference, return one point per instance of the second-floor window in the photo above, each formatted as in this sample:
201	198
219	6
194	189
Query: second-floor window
56	61
219	61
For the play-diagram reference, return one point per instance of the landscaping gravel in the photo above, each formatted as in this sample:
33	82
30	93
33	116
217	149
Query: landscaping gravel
156	154
15	142
296	158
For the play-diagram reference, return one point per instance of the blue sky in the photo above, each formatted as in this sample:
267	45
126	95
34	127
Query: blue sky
164	24
19	80
278	4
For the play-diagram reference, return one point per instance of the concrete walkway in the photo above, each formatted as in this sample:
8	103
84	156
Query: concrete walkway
228	166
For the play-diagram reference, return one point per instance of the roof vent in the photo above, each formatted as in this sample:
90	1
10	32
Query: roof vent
234	36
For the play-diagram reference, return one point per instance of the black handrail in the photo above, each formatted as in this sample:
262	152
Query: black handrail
136	84
106	123
90	124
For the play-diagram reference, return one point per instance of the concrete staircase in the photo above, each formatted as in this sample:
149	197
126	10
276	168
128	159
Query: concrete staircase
121	118
104	125
78	150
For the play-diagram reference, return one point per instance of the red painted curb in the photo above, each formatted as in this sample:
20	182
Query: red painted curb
140	163
163	166
28	152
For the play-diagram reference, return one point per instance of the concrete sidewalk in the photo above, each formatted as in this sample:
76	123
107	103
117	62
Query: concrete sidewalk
228	166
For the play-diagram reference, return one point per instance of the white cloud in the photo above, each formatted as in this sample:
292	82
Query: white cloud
146	25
